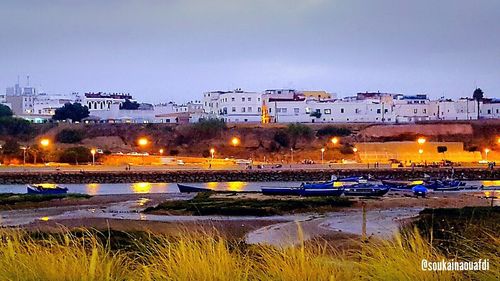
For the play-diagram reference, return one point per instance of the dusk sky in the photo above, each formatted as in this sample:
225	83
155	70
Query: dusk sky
177	49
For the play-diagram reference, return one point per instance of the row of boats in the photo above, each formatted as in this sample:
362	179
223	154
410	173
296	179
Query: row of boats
356	186
349	186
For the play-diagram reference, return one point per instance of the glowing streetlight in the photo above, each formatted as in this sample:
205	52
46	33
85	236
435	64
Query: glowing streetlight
45	142
212	152
421	140
354	150
486	151
335	140
420	151
498	140
322	154
143	141
291	153
161	151
235	141
92	151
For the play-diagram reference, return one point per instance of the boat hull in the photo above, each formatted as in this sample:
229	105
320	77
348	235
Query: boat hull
189	189
46	191
366	191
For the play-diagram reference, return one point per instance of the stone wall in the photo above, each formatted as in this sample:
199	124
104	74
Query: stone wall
224	176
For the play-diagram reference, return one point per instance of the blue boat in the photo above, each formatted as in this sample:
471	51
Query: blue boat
46	189
366	190
281	190
322	191
330	183
444	185
420	190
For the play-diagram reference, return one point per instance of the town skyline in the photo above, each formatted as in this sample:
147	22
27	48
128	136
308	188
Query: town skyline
181	49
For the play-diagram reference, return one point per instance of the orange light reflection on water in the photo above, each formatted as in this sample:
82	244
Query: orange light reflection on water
236	185
93	188
141	187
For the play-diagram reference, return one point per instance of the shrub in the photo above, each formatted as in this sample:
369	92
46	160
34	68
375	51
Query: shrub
69	136
14	126
333	131
75	155
282	138
174	152
11	147
346	149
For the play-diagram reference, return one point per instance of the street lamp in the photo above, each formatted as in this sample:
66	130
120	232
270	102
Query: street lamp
92	151
143	142
421	140
161	151
420	152
45	142
335	140
212	152
486	151
354	150
291	153
24	154
322	154
235	141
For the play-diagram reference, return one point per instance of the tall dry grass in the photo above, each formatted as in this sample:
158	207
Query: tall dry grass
204	256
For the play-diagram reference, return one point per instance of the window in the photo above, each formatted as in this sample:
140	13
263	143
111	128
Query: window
357	110
243	109
232	99
386	110
341	110
233	109
249	109
328	111
296	111
249	99
378	110
424	110
258	109
243	99
415	111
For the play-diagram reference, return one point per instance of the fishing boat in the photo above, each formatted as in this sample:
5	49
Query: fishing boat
333	182
281	190
331	191
401	184
188	189
444	185
46	189
366	189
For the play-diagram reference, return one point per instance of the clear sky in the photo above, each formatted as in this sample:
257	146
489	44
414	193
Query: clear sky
177	49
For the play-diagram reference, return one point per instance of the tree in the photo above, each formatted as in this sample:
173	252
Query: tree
478	95
14	126
5	111
11	147
128	105
297	131
442	149
75	155
75	112
282	138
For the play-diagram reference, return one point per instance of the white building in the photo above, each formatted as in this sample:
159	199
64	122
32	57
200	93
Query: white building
234	106
490	109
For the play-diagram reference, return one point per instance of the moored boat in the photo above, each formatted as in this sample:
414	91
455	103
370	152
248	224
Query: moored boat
281	190
46	189
321	191
366	189
188	189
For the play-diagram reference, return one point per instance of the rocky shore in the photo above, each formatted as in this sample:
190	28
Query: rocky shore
235	175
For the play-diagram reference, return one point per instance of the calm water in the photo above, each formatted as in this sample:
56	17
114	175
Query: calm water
144	187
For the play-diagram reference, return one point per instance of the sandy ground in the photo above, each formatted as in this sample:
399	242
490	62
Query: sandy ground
125	213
